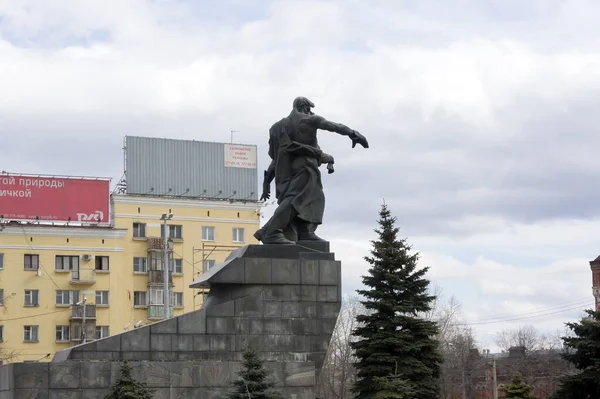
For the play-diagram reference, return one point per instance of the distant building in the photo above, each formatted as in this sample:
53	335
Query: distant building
595	266
541	369
67	244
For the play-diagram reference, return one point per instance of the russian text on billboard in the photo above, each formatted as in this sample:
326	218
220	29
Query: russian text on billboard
240	156
54	199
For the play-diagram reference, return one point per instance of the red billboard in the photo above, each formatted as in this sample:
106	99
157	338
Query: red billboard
54	199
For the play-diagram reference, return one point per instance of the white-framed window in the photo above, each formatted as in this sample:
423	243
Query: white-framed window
1	261
177	299
140	298
31	262
1	333
62	333
175	231
102	263
139	265
208	263
156	296
102	332
66	263
67	297
238	234
32	298
102	298
178	266
30	333
208	233
1	296
139	230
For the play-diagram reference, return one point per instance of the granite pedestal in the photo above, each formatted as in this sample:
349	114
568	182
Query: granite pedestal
284	299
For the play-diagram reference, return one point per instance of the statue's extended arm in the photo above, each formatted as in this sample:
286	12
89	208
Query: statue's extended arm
319	122
269	176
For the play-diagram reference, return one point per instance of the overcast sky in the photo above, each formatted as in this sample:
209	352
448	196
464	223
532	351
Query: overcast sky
479	113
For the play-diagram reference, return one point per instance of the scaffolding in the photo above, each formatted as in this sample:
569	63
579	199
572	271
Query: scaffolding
199	256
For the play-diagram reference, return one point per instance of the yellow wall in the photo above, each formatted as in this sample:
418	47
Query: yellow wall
118	243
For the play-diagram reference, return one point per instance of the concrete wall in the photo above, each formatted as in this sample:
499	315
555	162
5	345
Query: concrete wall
181	379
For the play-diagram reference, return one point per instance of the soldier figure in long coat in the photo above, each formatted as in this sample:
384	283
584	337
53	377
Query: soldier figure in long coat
296	157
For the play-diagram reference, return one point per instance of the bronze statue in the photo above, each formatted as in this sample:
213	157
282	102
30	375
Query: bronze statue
295	160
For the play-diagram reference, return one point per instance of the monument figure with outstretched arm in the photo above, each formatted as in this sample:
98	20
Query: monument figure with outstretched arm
295	160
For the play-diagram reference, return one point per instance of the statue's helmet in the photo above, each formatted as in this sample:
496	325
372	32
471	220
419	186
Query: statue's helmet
303	104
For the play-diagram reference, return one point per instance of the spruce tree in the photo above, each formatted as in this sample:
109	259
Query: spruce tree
518	389
583	353
253	383
392	338
126	387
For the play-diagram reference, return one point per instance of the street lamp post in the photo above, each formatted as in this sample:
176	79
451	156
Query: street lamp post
164	218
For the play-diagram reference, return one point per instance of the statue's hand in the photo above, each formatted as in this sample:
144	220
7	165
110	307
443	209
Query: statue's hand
358	138
265	195
326	158
330	168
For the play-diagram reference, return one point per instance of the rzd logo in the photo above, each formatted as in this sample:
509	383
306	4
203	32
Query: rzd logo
92	217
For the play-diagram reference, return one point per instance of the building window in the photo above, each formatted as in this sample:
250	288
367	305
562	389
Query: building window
178	266
208	263
66	262
102	263
140	298
62	333
1	296
139	265
156	297
31	262
208	233
32	298
175	232
1	261
238	234
102	298
1	333
177	299
30	333
139	230
64	297
102	332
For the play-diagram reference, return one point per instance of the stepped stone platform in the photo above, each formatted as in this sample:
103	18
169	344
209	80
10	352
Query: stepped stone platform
283	298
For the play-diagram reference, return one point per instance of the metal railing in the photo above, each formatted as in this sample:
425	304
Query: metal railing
77	311
157	243
158	311
158	277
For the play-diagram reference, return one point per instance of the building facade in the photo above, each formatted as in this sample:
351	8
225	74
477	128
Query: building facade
595	266
61	284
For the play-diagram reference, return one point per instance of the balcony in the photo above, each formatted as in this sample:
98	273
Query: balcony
158	311
90	329
83	277
157	244
77	312
157	277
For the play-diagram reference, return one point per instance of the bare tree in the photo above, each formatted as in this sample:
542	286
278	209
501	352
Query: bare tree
536	355
338	373
7	355
457	344
526	337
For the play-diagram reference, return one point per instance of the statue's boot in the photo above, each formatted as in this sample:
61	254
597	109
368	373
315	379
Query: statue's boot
259	234
308	236
307	233
277	237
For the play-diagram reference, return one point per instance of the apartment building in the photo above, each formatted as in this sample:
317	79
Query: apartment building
78	263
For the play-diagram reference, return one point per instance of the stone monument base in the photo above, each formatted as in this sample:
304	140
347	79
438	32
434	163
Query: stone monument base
283	298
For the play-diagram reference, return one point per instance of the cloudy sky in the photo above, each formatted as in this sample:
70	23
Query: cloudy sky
479	114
